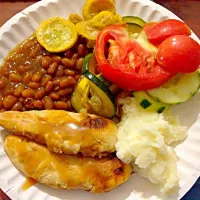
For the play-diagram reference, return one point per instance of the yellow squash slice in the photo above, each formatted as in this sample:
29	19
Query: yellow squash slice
57	34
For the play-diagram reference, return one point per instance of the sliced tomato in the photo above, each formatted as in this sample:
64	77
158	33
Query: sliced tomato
180	54
157	33
128	64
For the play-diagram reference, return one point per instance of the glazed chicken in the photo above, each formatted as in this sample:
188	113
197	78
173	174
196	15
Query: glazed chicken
65	171
64	132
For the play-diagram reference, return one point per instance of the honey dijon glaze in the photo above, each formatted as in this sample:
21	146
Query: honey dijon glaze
64	132
65	171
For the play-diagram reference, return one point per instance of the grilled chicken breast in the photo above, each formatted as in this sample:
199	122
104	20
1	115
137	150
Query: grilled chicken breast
64	132
65	171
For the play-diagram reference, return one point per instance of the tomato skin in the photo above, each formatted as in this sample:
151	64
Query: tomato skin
128	65
157	33
179	54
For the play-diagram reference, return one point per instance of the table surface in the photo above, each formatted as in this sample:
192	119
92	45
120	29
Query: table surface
187	10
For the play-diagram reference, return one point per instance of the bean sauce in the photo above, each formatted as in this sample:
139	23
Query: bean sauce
33	79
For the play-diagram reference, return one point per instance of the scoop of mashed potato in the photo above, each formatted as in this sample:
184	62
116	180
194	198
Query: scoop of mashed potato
144	138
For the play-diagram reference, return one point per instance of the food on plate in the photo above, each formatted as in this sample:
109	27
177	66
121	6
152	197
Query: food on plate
144	139
179	54
158	32
33	78
127	59
65	171
93	7
149	103
96	86
64	132
94	96
56	34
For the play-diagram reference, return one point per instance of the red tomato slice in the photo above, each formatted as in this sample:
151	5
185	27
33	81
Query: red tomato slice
128	65
157	33
179	53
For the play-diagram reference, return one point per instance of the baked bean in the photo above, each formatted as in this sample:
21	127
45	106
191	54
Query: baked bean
1	101
60	70
74	57
3	83
49	86
46	61
81	50
27	78
38	60
45	80
54	95
69	104
66	91
36	77
18	90
28	45
63	98
14	77
39	94
56	82
9	90
57	88
9	101
38	47
48	103
38	104
28	93
67	63
77	77
21	99
29	103
43	71
18	106
57	59
33	53
34	85
79	64
67	81
68	53
52	68
21	69
61	105
69	72
24	109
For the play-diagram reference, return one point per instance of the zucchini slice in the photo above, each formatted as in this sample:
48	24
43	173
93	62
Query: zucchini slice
149	103
134	20
178	89
135	25
91	94
89	64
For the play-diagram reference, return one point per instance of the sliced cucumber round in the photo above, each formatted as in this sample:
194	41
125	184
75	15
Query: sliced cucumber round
178	89
149	103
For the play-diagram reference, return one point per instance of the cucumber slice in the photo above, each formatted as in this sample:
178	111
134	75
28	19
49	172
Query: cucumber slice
149	103
134	30
91	94
178	89
134	20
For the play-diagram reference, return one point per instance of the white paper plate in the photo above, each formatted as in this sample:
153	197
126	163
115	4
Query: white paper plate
23	25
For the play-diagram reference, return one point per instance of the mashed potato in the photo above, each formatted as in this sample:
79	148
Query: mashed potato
144	138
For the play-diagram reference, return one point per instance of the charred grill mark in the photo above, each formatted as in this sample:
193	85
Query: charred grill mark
96	123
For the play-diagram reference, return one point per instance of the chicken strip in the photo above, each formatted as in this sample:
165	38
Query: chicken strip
65	171
64	132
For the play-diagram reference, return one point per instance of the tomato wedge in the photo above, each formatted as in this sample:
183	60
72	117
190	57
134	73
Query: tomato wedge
127	64
179	54
157	33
